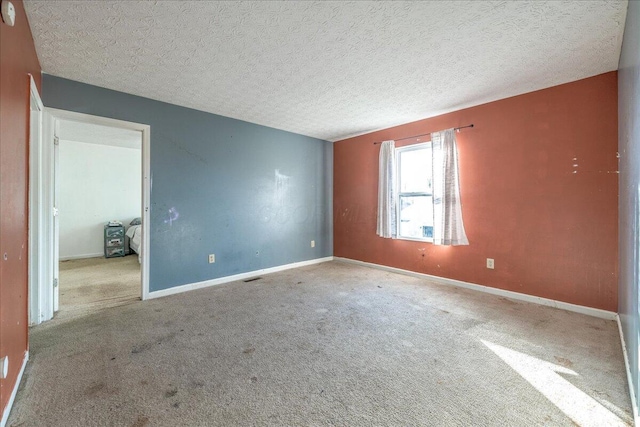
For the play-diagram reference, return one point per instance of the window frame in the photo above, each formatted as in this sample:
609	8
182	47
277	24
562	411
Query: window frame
399	194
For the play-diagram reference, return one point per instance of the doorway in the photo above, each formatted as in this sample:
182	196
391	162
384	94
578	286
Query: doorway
98	196
40	263
95	174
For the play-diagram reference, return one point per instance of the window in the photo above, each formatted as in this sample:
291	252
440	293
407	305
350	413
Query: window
415	192
419	191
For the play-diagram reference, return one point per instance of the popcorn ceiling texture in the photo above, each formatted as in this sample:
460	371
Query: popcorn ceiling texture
327	69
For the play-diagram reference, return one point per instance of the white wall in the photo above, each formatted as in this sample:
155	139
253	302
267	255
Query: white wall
97	183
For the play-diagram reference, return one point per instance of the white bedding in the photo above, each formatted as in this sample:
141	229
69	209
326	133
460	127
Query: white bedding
135	237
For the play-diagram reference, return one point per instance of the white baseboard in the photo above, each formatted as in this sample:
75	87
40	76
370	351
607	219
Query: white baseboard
632	394
595	312
69	258
235	277
7	409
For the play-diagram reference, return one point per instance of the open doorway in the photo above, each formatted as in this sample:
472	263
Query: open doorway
85	168
40	275
98	200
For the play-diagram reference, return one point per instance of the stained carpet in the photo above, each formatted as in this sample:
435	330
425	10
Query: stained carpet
92	284
326	345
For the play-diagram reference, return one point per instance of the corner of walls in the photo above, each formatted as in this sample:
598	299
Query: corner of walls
328	196
629	191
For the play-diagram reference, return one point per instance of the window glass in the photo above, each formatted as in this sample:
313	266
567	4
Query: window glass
415	201
416	217
415	171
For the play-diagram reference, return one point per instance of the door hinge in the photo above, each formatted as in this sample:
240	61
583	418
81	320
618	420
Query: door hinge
55	283
56	140
55	211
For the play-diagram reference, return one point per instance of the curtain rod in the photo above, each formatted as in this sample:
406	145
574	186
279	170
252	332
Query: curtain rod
428	133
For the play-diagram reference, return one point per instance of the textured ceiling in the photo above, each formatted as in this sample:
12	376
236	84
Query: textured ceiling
97	134
327	69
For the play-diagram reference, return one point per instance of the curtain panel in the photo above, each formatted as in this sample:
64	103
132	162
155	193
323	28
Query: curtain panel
448	228
386	226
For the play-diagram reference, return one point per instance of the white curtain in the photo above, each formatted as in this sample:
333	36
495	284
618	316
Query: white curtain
448	228
386	190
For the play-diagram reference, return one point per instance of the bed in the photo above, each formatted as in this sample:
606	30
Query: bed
134	233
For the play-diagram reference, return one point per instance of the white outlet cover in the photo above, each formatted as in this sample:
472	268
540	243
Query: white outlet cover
4	362
8	13
212	258
490	263
313	243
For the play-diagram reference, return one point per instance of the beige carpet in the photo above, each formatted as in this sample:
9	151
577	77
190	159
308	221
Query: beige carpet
92	284
326	345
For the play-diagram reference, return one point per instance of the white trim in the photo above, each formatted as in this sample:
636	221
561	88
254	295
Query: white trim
235	277
16	386
45	287
83	256
34	90
145	179
37	215
595	312
423	145
55	197
145	244
632	394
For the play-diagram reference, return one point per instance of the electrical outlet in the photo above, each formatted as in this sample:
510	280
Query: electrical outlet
490	263
212	258
4	367
313	243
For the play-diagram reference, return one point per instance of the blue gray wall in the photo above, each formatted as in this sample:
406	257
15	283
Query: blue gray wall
252	195
629	190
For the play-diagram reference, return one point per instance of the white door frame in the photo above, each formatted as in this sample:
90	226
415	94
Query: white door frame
52	118
40	272
56	220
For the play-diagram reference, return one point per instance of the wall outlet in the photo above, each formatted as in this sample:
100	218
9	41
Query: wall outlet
490	263
4	367
212	258
313	243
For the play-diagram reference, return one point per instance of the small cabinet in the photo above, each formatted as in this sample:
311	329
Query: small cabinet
113	241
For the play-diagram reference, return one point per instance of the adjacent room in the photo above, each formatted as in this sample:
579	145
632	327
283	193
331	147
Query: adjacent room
99	192
319	213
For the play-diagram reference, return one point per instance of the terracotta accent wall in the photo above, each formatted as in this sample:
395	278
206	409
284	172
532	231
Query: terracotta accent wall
17	59
539	191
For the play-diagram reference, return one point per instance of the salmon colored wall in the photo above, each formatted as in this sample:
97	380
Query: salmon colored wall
17	59
550	226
